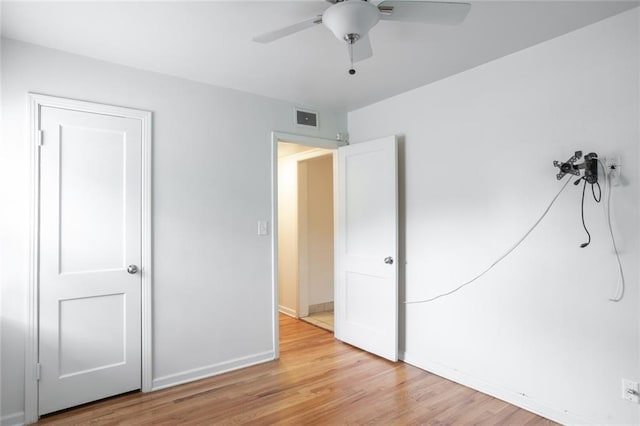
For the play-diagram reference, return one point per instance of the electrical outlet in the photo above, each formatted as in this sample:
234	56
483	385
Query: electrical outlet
630	391
613	166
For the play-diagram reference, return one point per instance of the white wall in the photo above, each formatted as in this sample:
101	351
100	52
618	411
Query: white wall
476	172
288	235
212	301
318	187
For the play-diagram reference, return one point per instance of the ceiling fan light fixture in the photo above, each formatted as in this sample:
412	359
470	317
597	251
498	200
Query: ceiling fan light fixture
351	18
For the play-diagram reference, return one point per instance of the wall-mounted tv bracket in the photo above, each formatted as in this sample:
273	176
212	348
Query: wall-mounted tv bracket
590	166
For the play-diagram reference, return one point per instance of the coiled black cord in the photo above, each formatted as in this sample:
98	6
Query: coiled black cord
599	197
597	200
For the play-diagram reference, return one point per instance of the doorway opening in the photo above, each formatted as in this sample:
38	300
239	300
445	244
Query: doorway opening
305	233
365	183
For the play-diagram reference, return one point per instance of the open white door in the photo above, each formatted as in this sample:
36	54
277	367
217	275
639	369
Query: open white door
366	302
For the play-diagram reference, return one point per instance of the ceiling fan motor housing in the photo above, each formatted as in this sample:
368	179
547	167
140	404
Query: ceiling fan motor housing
351	17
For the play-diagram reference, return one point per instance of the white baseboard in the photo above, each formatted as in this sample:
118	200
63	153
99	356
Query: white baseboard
288	311
14	419
523	401
211	370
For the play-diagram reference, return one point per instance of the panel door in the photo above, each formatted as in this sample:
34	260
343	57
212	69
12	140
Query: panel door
90	232
367	247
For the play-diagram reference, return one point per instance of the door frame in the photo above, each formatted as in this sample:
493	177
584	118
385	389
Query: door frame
35	103
300	140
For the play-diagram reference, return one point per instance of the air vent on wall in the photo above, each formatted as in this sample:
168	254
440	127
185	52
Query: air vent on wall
306	118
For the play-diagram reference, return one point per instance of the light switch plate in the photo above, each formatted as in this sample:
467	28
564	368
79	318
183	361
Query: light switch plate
263	227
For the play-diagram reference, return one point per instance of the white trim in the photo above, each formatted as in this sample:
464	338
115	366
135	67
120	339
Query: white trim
211	370
337	329
36	102
304	140
301	140
146	255
287	311
14	419
508	395
31	342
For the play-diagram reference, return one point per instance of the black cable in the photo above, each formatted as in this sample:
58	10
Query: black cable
599	197
584	225
597	200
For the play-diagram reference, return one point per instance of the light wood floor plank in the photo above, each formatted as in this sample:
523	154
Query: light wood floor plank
317	381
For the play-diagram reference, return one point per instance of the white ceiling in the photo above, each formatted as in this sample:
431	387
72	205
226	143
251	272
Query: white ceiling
210	42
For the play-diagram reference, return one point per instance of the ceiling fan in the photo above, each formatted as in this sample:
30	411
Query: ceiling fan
351	20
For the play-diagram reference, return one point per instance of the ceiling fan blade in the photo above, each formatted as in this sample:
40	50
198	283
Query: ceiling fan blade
291	29
362	49
427	12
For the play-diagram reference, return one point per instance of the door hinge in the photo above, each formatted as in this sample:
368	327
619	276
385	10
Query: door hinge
40	133
38	371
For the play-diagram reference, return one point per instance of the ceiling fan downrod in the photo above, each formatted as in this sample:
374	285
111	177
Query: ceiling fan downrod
351	39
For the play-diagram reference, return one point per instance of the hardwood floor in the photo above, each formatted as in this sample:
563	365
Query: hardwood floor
317	381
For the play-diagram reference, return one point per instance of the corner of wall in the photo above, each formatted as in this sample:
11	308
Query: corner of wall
211	370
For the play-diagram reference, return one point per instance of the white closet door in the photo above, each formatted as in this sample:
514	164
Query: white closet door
90	232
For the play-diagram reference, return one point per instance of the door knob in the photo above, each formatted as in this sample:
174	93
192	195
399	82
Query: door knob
388	260
132	269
